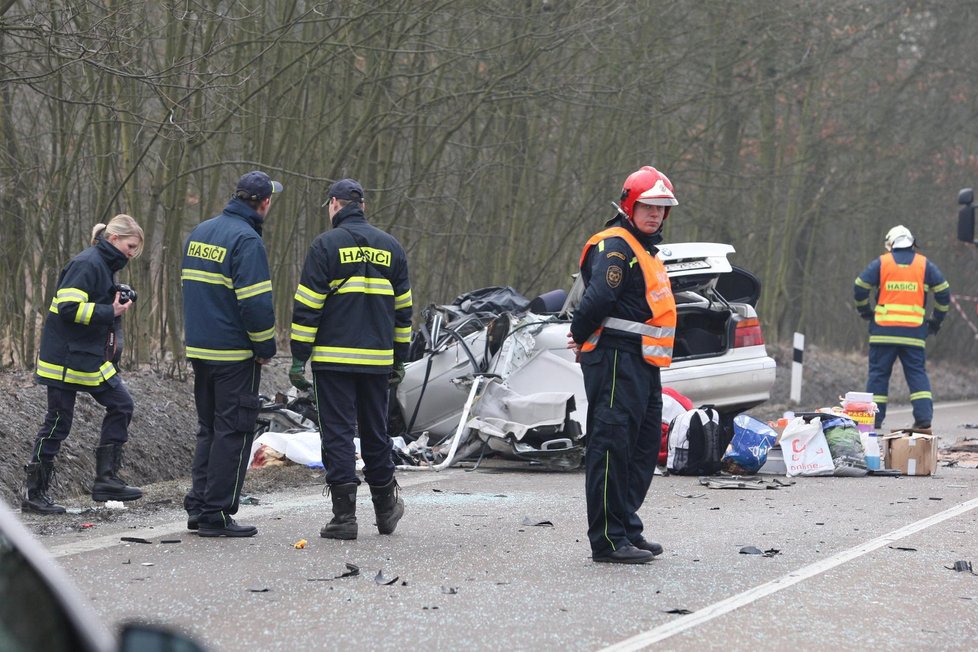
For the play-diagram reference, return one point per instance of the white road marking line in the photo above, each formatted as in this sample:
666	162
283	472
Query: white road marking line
645	639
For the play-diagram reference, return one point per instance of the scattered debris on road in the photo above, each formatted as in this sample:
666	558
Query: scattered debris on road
962	567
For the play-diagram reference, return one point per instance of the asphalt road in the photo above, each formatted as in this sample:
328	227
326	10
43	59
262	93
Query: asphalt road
497	559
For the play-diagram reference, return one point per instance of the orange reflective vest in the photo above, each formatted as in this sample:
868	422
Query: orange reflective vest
659	331
901	297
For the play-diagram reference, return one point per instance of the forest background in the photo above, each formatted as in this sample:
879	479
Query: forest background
491	137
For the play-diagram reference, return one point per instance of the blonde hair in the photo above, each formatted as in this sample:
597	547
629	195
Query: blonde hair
121	225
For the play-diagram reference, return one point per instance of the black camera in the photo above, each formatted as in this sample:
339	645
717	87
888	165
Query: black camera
126	293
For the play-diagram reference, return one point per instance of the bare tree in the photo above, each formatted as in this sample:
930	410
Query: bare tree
491	138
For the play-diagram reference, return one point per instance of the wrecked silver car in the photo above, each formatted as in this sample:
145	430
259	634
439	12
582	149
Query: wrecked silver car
491	372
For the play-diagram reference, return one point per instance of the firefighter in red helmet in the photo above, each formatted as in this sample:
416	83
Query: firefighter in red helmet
623	330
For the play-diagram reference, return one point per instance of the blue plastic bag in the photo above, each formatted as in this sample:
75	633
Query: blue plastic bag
747	451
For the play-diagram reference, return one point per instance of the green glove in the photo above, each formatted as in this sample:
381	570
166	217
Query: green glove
397	374
297	375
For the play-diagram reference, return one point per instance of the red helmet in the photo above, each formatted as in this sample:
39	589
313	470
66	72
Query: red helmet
649	186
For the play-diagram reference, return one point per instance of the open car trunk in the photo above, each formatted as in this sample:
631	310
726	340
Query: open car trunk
701	332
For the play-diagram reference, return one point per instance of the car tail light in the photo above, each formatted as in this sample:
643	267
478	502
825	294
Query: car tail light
747	332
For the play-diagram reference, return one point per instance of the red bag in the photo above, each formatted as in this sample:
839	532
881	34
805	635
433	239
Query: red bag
673	404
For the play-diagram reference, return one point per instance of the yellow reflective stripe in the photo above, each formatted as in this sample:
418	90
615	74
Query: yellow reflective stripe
863	284
900	341
862	303
402	334
937	288
67	295
899	307
942	308
302	333
253	290
309	297
916	396
379	286
90	378
912	320
900	314
84	313
229	355
344	355
71	294
206	277
364	285
262	336
879	398
403	300
86	378
48	370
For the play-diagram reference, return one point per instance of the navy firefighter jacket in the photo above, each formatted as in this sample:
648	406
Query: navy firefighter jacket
82	337
227	289
352	309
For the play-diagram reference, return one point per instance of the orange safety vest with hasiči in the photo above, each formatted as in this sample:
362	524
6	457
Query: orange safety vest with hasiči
901	296
658	332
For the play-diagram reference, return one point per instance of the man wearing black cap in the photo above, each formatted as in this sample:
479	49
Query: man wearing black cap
352	317
229	325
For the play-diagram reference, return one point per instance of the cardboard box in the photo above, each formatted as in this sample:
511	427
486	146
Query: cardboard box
910	451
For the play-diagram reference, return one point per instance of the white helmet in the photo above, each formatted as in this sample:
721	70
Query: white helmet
899	237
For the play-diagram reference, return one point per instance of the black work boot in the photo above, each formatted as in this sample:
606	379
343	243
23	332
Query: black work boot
651	546
343	525
228	528
388	506
108	485
36	497
625	555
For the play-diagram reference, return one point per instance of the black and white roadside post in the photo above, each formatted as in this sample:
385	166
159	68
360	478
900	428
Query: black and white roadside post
796	367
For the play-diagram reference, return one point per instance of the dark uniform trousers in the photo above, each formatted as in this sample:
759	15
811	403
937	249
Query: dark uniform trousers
227	409
352	403
914	361
61	410
624	431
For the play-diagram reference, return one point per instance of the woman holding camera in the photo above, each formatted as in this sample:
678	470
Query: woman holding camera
80	347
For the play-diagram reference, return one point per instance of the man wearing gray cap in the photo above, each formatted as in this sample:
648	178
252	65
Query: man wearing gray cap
352	317
229	325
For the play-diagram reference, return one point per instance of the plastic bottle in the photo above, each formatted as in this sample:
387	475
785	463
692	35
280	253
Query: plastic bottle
872	452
